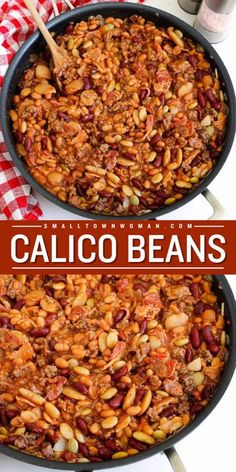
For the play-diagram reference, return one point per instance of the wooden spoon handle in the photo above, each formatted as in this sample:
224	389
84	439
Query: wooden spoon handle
41	25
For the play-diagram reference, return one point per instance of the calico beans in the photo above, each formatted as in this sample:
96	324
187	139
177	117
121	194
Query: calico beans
126	361
140	120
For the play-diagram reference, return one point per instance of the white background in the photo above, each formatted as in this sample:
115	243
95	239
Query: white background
211	447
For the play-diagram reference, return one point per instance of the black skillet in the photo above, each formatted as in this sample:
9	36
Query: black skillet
225	295
122	10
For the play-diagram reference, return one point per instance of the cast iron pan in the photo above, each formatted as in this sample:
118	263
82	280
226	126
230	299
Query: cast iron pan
225	295
36	43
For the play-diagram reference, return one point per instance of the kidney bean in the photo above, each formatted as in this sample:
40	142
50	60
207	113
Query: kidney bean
210	96
219	140
197	395
180	190
52	343
53	136
200	114
162	98
137	184
199	74
137	444
135	39
141	287
63	302
28	143
34	428
143	202
111	444
40	439
104	452
9	441
134	209
193	60
155	139
201	99
11	413
120	315
39	332
120	372
79	188
91	206
19	304
188	354
99	90
216	105
87	83
195	162
213	348
82	425
119	198
199	308
215	154
44	143
139	395
50	318
19	137
207	334
69	28
195	337
167	412
207	392
59	278
65	372
116	401
104	194
63	116
129	156
194	288
4	421
122	386
195	408
96	459
142	326
151	66
87	118
48	290
142	94
105	279
4	321
158	161
83	450
80	387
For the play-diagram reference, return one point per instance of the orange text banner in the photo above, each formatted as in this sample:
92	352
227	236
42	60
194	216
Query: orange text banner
118	247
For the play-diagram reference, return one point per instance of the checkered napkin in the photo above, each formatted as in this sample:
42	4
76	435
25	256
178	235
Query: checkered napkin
16	199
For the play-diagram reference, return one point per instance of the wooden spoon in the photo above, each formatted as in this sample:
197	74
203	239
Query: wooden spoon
60	57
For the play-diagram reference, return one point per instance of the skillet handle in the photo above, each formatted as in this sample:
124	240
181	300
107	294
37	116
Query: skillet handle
219	212
174	460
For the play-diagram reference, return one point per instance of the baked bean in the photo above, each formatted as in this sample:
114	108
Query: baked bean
121	150
102	364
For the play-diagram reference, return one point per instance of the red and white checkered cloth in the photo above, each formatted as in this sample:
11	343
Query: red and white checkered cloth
16	199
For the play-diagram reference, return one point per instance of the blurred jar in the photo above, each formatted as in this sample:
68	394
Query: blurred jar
214	19
190	6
